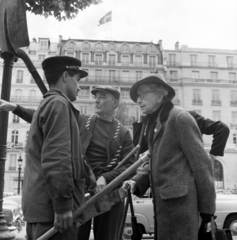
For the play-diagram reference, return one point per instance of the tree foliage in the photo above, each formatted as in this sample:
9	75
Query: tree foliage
60	9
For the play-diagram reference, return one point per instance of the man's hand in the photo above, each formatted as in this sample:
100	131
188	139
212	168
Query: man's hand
92	187
130	183
101	183
63	220
7	106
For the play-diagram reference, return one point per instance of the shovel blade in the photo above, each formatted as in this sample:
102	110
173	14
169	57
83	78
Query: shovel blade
13	25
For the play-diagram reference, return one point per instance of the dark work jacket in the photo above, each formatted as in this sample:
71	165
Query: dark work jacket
54	174
219	130
119	145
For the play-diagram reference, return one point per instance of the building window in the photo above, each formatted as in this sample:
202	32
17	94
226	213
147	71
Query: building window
233	97
12	162
71	45
197	96
98	59
86	46
138	75
234	117
85	58
98	75
216	115
112	46
172	60
112	76
18	96
173	75
195	74
125	60
138	60
230	62
32	95
70	54
32	80
216	97
125	76
193	60
137	48
98	47
15	137
84	93
27	135
111	59
234	138
43	44
41	57
83	109
125	93
152	61
19	76
211	61
232	76
15	119
125	48
214	75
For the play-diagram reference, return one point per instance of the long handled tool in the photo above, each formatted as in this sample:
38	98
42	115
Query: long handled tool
112	185
127	200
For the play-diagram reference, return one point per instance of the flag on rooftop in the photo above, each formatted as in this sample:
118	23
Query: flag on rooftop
107	18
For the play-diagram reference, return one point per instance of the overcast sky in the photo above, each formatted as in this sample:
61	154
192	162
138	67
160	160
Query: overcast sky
196	23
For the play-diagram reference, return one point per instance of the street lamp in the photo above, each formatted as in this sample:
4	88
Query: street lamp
19	174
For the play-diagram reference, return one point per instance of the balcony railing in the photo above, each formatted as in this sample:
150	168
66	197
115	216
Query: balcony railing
203	64
197	102
80	96
233	103
216	102
233	125
26	99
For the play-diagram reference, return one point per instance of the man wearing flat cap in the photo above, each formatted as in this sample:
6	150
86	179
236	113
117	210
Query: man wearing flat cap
180	171
55	173
105	142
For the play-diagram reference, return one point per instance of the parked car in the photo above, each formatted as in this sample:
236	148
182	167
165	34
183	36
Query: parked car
13	213
226	212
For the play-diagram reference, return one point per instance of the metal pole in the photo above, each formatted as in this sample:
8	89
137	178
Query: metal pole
5	94
19	180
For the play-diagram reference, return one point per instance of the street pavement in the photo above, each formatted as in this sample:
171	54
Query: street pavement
21	235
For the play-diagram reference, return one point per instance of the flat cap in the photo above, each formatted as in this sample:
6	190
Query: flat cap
112	90
152	78
63	62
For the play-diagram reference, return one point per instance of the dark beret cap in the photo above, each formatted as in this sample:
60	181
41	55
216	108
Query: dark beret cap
112	90
62	62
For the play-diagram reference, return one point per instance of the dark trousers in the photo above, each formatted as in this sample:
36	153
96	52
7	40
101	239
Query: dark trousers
106	226
35	230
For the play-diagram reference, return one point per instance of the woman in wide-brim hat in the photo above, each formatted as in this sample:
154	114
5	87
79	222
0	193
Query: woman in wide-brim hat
180	170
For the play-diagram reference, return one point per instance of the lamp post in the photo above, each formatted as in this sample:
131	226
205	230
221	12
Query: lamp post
19	174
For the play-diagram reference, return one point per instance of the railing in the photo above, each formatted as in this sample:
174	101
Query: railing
202	64
84	96
233	103
197	102
26	99
216	102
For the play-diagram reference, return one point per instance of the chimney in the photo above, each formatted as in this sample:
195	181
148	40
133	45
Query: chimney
60	38
177	46
160	44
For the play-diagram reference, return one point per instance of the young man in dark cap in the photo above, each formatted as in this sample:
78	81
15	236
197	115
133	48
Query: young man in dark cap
180	171
55	172
105	142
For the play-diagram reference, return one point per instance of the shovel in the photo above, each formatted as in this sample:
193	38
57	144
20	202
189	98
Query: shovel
13	35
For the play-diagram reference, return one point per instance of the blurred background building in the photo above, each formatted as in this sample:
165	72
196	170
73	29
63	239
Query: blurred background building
204	80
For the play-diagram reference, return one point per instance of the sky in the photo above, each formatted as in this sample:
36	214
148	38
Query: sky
196	23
